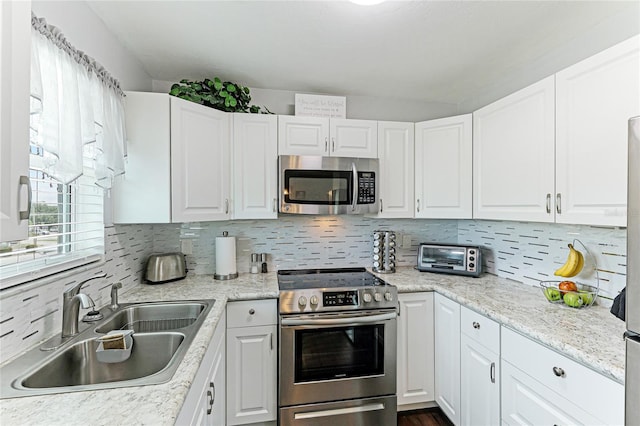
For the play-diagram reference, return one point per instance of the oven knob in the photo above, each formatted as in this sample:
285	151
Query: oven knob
471	265
388	297
377	297
302	301
366	298
313	300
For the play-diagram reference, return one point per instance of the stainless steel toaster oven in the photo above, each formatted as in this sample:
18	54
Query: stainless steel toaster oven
450	259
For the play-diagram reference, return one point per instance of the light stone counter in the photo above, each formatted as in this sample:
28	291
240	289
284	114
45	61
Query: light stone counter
592	336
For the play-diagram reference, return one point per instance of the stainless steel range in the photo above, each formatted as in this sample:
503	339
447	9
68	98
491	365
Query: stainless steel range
337	350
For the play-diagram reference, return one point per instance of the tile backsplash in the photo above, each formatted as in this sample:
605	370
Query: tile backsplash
526	252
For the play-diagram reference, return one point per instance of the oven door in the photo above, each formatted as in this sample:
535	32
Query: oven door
336	356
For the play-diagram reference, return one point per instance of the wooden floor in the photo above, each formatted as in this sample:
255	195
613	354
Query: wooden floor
426	417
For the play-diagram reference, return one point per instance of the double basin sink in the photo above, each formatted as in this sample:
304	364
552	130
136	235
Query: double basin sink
162	333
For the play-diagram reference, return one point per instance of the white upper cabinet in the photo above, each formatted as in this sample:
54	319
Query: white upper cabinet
353	138
255	154
513	160
395	151
15	57
178	165
443	168
200	160
322	136
594	100
303	135
142	194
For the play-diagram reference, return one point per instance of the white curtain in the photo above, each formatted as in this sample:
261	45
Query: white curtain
77	109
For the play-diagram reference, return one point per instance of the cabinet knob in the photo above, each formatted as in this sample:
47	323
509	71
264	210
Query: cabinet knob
252	311
558	203
558	371
476	325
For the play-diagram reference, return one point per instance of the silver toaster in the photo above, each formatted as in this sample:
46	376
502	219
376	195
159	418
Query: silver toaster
162	268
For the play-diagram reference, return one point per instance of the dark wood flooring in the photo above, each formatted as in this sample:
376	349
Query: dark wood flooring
426	417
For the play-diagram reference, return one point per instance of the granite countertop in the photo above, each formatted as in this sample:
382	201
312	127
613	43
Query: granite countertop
591	336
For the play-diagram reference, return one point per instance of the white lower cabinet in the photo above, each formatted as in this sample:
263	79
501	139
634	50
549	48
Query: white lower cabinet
479	369
205	402
541	386
447	356
415	361
251	362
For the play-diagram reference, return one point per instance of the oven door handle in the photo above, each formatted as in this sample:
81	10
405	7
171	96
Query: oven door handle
367	319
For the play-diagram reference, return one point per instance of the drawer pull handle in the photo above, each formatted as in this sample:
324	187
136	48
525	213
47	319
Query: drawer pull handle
558	371
252	311
476	325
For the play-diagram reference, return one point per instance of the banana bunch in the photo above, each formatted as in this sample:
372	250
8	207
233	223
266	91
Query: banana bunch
573	265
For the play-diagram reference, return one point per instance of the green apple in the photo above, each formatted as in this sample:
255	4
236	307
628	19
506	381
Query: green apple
573	299
552	294
586	296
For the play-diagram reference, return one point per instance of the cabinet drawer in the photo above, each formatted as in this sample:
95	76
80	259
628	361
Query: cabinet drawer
480	328
252	313
600	396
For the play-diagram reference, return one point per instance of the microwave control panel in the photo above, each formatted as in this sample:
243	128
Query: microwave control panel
366	187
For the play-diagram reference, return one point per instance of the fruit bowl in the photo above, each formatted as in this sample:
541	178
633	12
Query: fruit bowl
584	295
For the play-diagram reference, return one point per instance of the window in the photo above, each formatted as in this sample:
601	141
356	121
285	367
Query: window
66	227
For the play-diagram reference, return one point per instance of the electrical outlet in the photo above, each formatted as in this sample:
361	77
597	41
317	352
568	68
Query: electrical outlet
186	246
406	241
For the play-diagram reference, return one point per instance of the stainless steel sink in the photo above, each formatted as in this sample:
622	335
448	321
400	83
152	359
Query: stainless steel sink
153	317
163	332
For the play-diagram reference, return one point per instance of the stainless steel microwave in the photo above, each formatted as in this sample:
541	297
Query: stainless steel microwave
328	185
450	259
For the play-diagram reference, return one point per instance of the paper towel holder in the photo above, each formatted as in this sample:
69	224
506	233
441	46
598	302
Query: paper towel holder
231	275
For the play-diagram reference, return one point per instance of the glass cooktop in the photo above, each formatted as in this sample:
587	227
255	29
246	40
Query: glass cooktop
293	279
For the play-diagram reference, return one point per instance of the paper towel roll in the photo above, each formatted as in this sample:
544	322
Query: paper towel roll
225	258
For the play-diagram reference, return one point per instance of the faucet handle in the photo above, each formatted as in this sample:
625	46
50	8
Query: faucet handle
76	288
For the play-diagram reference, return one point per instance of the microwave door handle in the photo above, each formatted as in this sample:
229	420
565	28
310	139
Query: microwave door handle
354	170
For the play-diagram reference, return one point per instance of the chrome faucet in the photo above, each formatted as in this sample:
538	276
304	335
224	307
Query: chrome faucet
71	301
114	295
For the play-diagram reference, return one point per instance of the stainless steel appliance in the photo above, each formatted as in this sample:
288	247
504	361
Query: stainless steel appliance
328	185
162	268
632	313
450	259
337	349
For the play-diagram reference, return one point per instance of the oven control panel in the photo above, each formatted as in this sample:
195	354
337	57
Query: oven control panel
323	300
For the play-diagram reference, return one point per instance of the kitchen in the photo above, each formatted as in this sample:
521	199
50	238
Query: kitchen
346	240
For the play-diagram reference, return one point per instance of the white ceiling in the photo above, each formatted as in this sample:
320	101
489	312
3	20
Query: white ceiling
434	51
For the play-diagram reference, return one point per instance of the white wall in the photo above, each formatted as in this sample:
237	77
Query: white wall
608	32
86	32
360	107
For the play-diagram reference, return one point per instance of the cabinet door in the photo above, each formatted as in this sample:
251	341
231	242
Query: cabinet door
595	99
15	62
447	356
143	193
480	384
205	401
353	138
395	151
443	164
415	365
303	135
513	156
527	402
251	373
217	405
200	158
255	171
